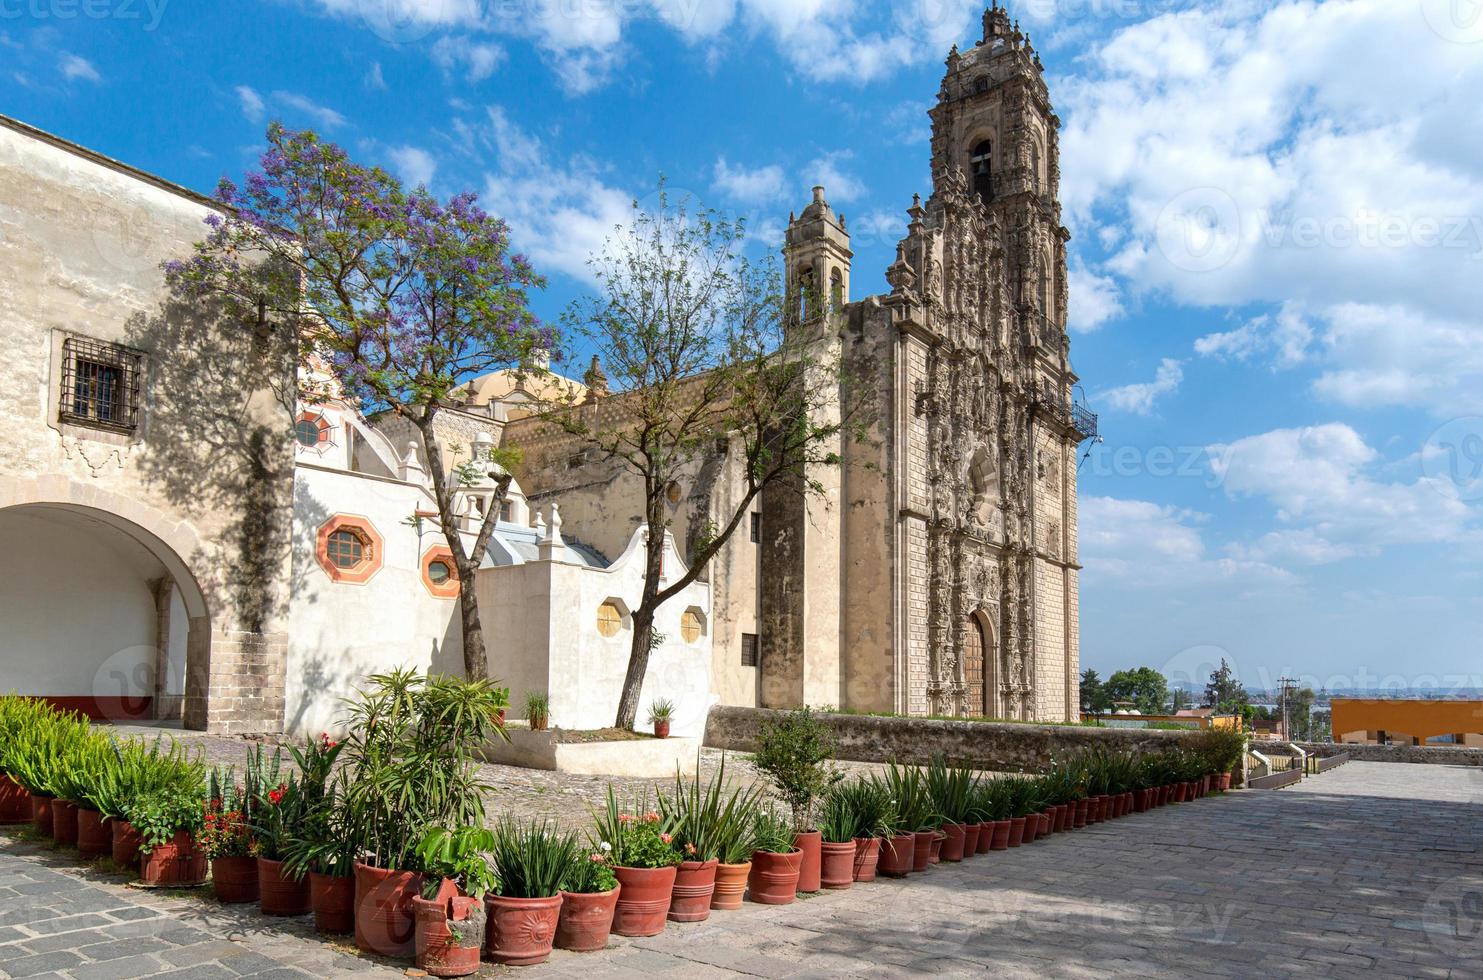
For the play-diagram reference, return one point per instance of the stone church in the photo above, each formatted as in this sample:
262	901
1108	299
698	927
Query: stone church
183	537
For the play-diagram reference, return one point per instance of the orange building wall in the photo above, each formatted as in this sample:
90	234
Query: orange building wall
1419	719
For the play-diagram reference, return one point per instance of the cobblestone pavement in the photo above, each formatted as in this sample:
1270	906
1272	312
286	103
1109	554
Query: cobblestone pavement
1370	870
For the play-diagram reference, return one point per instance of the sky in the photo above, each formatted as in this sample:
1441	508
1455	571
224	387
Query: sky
1276	262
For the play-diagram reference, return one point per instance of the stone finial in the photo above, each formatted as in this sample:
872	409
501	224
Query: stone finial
411	469
596	382
901	275
550	535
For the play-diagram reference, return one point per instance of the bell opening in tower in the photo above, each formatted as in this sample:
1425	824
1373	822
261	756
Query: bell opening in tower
979	160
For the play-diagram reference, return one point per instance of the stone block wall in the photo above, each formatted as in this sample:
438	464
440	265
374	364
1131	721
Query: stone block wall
1005	747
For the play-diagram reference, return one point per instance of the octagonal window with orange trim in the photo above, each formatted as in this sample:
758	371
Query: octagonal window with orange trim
439	573
349	549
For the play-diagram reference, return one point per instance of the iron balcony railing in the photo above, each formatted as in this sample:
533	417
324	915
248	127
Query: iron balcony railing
1071	416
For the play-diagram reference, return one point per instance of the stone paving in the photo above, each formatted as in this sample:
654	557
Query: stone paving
1371	870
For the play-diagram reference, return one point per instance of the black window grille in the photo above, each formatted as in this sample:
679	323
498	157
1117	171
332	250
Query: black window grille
756	527
749	650
100	384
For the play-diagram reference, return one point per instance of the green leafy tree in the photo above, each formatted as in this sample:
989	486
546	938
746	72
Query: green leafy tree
1094	698
393	297
1224	692
1179	700
694	340
1145	687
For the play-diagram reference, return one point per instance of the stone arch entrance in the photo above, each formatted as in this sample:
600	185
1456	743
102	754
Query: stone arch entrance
980	674
106	615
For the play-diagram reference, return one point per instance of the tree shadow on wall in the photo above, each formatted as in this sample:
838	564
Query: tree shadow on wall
220	398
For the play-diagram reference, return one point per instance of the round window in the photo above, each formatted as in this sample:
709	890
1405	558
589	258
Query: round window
690	625
346	548
438	572
308	433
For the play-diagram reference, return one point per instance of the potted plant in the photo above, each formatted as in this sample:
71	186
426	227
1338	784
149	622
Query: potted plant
1222	749
951	790
645	861
532	862
450	912
837	830
699	815
661	712
872	820
226	840
775	861
166	823
914	812
734	846
589	897
537	710
793	751
17	716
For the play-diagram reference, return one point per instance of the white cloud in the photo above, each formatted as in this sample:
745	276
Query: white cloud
750	186
326	117
840	186
1094	299
1140	398
1285	337
374	79
413	165
1137	542
75	67
252	104
477	59
1320	481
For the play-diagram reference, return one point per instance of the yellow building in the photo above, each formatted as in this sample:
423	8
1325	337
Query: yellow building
1407	722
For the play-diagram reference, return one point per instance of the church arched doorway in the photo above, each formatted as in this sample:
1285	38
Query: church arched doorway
974	652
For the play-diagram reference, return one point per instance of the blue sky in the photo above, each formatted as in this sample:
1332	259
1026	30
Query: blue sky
1277	211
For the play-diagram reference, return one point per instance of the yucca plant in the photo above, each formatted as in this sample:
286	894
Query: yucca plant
950	788
909	796
531	860
869	805
702	816
772	832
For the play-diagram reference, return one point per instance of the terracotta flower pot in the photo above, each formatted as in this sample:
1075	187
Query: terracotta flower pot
953	841
15	802
41	814
586	919
970	839
125	844
383	910
1000	836
1046	825
1082	807
450	932
64	822
643	901
1177	796
731	885
897	855
521	930
774	877
177	864
661	729
1016	831
234	880
921	850
1062	817
1032	829
1127	803
867	858
1223	782
838	865
94	839
985	837
809	870
695	883
333	901
279	893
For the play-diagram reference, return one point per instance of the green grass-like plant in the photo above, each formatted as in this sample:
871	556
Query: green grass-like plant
532	860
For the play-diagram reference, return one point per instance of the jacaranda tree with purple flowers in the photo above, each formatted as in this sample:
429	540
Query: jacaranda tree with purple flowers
394	296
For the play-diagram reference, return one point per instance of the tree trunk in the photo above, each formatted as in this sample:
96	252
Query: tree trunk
638	666
475	661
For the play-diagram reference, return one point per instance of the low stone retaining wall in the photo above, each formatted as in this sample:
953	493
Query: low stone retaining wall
1437	755
1002	746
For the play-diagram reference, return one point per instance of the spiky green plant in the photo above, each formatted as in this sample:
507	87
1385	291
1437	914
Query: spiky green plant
703	816
531	860
951	790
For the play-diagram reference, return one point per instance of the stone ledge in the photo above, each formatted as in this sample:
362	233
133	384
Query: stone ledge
1436	755
646	758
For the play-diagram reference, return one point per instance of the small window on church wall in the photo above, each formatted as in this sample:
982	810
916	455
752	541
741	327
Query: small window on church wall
691	625
749	650
609	619
349	549
981	162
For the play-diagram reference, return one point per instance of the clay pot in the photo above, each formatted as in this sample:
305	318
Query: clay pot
64	822
522	930
921	850
1016	831
383	910
1177	796
450	932
643	901
985	837
177	864
970	839
1046	828
234	880
867	858
586	919
15	802
897	854
1080	819
837	865
1223	782
953	841
774	877
731	885
1032	829
125	844
1127	803
93	836
1062	817
333	901
1000	836
695	883
661	729
809	871
279	893
41	814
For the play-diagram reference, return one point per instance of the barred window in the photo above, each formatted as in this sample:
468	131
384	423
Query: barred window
100	384
749	650
756	527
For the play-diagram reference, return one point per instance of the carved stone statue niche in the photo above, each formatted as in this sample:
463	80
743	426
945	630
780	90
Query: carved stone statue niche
983	479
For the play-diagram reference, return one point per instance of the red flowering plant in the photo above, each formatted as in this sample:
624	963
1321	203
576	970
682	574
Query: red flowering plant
638	839
277	805
226	831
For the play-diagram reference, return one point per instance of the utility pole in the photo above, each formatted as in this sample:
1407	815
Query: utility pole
1286	687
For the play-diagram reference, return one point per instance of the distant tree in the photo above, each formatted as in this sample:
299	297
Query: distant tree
1145	687
397	295
1179	700
1093	693
1224	693
1300	714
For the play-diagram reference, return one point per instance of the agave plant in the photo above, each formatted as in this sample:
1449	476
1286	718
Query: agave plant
531	860
951	790
703	817
867	804
772	832
908	794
